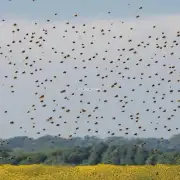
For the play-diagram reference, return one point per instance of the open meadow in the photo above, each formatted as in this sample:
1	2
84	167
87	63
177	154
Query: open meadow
98	172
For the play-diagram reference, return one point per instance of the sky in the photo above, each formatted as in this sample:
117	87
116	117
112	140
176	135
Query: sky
162	14
40	9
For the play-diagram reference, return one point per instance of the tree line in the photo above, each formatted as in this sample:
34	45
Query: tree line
90	151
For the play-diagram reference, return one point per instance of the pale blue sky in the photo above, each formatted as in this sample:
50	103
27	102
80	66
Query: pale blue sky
119	8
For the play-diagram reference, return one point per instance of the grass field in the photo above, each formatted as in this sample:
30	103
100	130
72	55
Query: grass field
99	172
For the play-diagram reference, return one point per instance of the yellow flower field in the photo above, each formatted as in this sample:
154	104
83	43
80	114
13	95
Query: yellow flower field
99	172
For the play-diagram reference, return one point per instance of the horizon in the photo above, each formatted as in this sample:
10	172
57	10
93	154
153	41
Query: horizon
82	137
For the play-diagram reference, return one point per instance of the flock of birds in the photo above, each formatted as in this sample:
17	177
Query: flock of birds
77	90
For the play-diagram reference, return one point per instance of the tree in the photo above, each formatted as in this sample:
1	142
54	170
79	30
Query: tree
140	156
97	153
152	159
130	157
